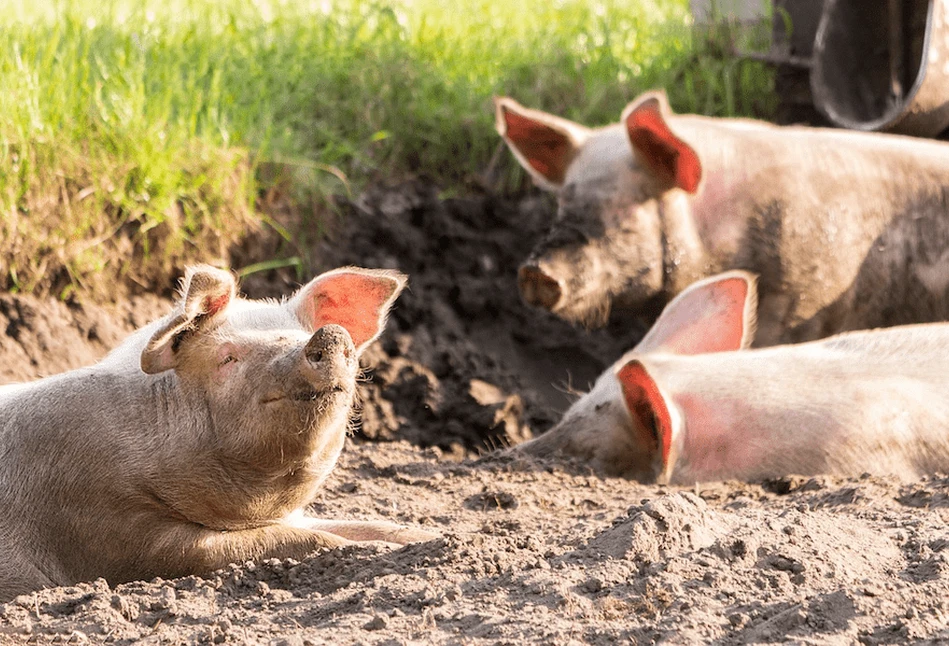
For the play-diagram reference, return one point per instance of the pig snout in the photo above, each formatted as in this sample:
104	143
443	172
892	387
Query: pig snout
328	344
538	287
330	361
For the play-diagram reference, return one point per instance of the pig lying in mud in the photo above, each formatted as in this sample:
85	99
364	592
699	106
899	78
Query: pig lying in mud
196	443
846	230
690	404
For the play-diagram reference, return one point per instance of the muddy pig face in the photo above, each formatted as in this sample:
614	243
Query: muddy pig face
272	384
606	244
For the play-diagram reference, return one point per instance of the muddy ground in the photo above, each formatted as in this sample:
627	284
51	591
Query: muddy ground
531	552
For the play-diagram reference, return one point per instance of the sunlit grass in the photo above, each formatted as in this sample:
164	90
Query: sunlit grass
130	131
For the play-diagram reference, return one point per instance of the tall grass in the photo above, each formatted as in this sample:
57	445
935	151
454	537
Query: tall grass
137	135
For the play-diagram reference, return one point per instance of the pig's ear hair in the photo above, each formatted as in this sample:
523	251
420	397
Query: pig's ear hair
542	143
657	146
357	299
205	295
712	315
647	407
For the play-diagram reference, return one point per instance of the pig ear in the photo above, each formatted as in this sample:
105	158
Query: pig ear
647	407
713	315
542	143
357	299
657	146
205	294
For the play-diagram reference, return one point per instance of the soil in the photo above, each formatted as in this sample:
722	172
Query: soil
542	552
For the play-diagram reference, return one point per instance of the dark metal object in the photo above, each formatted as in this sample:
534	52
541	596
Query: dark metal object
883	65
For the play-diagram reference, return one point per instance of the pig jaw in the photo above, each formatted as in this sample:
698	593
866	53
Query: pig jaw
306	408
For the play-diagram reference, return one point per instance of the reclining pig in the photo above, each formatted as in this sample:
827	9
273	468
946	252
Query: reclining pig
195	443
846	230
689	404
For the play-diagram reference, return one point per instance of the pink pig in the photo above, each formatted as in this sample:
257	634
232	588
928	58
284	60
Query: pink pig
198	442
690	403
845	230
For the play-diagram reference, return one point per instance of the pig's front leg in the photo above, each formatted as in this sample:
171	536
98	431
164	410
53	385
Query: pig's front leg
365	530
185	550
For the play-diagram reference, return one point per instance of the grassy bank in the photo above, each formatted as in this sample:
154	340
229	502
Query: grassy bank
135	136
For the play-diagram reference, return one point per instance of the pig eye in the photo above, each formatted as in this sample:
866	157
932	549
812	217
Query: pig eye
228	359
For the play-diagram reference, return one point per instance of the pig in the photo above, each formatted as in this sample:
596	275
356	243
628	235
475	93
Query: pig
845	230
691	403
197	442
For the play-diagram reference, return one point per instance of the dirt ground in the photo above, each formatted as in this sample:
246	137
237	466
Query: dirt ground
530	552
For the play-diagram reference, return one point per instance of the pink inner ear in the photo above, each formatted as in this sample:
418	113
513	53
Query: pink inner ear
545	148
647	407
668	155
214	305
353	301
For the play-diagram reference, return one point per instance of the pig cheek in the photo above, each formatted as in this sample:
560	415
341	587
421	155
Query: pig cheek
627	448
606	438
635	253
226	373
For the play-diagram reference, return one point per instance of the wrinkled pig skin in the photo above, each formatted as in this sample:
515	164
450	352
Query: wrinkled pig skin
690	403
846	230
196	443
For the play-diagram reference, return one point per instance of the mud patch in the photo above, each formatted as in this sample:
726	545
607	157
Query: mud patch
42	337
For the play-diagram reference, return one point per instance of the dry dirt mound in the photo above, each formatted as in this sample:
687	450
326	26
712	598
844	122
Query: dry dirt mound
531	552
554	556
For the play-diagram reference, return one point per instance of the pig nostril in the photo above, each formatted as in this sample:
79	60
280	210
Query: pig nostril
538	288
331	343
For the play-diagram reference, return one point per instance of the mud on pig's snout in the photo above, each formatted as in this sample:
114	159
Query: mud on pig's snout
331	349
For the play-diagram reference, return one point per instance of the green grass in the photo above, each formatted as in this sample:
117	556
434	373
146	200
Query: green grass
135	136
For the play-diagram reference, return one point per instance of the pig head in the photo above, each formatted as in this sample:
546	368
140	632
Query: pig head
691	403
650	205
195	443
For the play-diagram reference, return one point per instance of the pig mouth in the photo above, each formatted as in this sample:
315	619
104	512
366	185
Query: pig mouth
306	395
591	310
